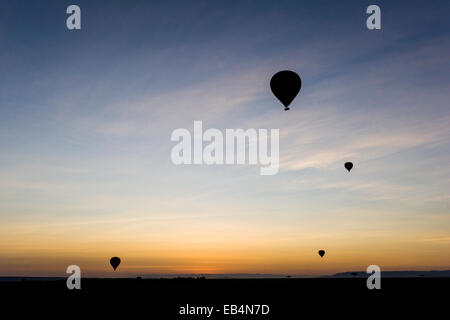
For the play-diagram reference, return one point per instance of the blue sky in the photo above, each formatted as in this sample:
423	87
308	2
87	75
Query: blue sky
86	118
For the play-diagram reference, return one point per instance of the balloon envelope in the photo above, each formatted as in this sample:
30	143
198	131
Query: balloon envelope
285	85
321	253
115	261
348	166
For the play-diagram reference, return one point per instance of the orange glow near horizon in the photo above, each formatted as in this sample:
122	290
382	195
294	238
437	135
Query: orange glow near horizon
49	251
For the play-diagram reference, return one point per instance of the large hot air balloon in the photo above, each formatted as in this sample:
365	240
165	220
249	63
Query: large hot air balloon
285	85
115	261
321	253
348	166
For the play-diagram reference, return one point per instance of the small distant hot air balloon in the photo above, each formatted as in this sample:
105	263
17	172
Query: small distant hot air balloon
348	166
115	261
285	85
321	253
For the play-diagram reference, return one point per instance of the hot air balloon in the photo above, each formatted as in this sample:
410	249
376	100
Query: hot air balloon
285	85
348	166
115	261
321	253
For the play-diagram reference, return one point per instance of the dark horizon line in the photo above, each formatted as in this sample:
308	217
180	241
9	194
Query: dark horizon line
351	274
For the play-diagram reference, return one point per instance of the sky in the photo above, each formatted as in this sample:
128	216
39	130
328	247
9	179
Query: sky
86	118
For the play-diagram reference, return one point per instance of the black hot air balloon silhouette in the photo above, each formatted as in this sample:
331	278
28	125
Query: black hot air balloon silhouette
321	253
115	261
285	85
348	166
